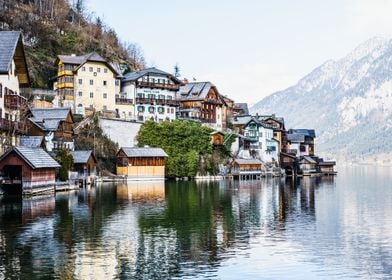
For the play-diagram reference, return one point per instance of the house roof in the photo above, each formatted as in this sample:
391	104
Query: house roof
34	157
217	132
31	141
309	159
296	137
241	120
80	157
327	163
242	106
196	91
11	48
48	119
305	132
247	161
143	152
82	59
133	76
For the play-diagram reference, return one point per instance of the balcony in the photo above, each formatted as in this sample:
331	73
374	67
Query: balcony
124	101
13	126
142	100
172	102
14	102
158	85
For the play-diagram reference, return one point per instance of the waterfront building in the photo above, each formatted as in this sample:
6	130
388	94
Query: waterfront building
55	125
262	143
154	93
301	142
13	76
247	168
202	101
141	163
87	84
27	170
277	123
85	165
327	167
307	165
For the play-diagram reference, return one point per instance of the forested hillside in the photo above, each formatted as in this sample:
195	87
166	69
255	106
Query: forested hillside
52	27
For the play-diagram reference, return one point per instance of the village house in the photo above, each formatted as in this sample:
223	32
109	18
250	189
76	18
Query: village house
154	92
55	125
141	163
13	76
202	101
262	142
301	142
217	138
280	134
327	167
87	84
84	164
307	165
240	109
239	123
27	170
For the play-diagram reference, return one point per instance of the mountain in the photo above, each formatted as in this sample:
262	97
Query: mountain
348	102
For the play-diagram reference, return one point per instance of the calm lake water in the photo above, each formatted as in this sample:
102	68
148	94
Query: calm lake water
324	228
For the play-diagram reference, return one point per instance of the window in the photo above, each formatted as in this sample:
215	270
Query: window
117	82
80	81
80	93
151	96
161	110
168	110
140	95
140	108
105	108
105	70
99	70
169	97
90	69
151	109
91	82
91	94
172	110
105	95
1	90
105	83
83	68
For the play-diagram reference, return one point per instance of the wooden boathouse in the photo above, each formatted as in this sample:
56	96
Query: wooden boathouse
327	167
27	170
141	163
84	165
247	169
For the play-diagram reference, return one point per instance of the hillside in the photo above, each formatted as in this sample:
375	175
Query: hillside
347	101
52	27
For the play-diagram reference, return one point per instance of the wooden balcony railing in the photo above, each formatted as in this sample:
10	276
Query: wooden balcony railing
158	85
152	101
14	102
13	126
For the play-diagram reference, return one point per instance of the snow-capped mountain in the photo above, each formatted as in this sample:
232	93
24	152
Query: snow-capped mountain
348	102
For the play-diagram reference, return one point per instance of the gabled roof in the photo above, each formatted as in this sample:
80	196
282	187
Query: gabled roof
306	132
296	138
133	76
82	59
258	122
196	91
49	119
144	152
242	106
11	47
241	120
31	141
327	163
34	157
309	159
81	157
217	132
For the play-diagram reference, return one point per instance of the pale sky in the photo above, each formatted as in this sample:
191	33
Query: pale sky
247	48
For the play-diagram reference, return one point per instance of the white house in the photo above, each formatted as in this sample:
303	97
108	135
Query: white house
154	92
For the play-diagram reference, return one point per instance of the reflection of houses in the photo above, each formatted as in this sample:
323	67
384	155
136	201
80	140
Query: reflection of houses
288	162
27	170
154	92
141	191
84	163
13	76
55	125
247	168
202	101
141	163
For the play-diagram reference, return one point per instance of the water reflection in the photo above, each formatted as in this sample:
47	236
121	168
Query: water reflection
318	226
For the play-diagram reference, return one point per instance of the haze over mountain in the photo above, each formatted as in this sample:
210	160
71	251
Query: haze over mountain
348	102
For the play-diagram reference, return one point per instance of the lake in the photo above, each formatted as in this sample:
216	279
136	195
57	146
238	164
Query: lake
320	227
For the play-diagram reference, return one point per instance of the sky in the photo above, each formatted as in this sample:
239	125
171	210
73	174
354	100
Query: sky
248	48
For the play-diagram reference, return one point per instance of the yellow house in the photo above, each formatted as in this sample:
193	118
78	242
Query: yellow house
88	83
141	163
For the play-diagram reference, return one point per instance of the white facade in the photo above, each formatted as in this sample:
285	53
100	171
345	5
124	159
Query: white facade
151	102
267	145
9	82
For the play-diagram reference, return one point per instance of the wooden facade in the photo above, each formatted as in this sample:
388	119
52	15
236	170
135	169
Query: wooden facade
141	163
22	175
217	138
327	167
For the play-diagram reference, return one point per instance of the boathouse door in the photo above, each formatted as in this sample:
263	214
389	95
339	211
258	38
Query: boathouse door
12	179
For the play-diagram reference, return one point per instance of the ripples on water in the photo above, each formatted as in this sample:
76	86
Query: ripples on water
272	229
